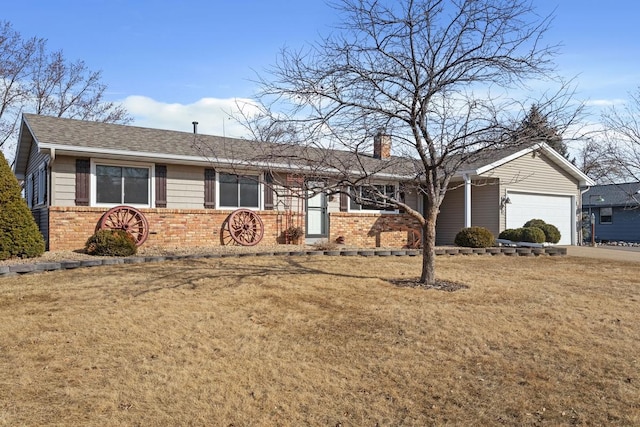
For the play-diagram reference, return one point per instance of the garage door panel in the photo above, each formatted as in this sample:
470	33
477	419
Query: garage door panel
556	210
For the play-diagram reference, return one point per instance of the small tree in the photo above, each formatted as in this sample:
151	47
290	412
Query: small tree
622	146
436	75
19	234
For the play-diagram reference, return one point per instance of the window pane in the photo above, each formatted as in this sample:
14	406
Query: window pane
228	190
370	198
352	203
249	191
108	184
136	185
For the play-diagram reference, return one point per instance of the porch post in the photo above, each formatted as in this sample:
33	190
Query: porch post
467	200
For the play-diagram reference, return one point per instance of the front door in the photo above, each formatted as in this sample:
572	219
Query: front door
317	220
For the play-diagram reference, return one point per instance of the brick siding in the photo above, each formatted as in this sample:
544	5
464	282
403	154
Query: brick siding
70	227
369	230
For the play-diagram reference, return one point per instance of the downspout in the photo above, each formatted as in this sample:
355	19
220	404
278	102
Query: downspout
467	200
579	223
52	159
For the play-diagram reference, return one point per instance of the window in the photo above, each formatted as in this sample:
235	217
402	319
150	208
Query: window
606	215
370	200
122	184
28	191
238	191
41	184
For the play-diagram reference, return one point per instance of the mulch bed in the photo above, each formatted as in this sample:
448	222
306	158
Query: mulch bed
439	285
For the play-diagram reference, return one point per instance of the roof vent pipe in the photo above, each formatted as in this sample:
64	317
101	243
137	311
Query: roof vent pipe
195	127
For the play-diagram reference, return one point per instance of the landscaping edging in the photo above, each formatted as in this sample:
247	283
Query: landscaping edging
20	269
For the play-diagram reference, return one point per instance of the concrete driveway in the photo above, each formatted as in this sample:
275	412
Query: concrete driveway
618	253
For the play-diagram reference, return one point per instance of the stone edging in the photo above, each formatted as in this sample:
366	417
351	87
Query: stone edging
18	269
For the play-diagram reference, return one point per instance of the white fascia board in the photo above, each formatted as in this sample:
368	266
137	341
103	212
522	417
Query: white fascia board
499	162
565	164
197	160
585	181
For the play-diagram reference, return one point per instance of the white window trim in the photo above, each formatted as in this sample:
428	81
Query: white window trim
259	177
93	190
375	211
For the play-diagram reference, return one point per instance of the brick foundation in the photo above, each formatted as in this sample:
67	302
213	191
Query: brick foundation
369	230
70	227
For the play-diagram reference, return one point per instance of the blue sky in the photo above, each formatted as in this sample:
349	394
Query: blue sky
172	62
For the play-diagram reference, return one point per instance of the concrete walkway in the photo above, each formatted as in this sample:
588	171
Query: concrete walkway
616	253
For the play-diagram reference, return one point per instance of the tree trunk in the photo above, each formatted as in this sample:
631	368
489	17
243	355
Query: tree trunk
428	276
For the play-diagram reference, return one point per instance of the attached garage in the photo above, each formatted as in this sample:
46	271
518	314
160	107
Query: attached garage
553	209
512	188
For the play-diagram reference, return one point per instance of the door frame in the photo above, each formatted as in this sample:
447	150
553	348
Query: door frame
324	213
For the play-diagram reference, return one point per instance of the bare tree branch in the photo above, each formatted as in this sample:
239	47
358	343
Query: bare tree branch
36	80
436	75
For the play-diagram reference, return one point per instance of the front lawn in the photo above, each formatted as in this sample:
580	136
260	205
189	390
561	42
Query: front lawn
323	341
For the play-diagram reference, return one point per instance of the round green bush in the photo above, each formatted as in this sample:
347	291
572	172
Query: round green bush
19	234
513	234
551	233
111	243
532	235
475	237
534	223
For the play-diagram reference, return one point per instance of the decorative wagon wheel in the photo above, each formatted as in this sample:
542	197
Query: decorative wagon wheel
245	227
128	219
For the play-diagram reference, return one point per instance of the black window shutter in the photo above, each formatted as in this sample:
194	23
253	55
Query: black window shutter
344	201
209	188
161	186
82	182
45	195
268	191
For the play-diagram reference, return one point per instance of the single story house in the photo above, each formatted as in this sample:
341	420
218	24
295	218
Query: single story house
616	212
187	186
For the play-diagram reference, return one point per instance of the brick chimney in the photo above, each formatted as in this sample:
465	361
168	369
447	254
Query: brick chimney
382	146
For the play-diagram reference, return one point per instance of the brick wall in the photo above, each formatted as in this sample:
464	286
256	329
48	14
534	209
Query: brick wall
70	227
370	230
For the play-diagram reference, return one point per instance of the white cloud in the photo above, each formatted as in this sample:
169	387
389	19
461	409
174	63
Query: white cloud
605	102
214	116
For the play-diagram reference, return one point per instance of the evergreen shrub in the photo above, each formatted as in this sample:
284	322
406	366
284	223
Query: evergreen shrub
475	237
551	233
111	243
19	234
513	234
532	235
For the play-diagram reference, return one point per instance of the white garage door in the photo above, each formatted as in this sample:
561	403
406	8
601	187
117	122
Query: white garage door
556	210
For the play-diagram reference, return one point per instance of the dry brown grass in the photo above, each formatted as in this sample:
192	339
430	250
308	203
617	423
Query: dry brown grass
323	341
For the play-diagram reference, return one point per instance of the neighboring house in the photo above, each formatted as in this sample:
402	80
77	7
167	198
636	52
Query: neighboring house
616	210
188	184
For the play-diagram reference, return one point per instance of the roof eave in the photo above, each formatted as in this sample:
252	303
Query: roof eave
583	180
195	160
23	147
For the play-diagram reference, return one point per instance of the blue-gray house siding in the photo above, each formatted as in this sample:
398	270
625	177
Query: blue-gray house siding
624	226
623	202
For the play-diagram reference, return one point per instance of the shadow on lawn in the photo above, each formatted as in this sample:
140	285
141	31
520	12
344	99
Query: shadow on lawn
187	274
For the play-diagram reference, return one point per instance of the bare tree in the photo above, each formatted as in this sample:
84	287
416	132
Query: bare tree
622	130
436	75
36	80
594	158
